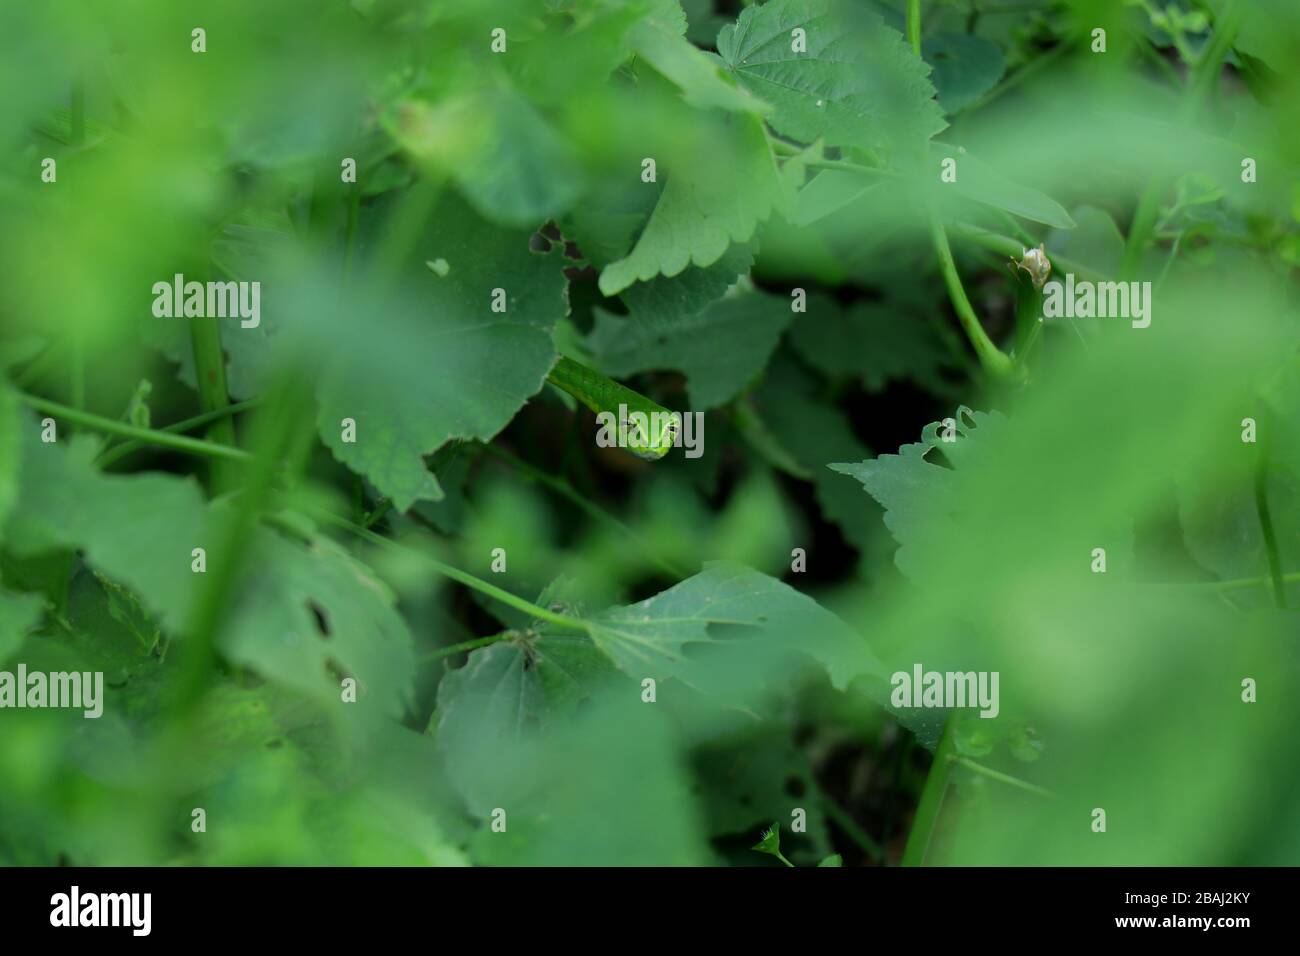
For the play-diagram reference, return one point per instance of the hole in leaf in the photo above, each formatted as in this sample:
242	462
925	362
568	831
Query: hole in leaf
322	619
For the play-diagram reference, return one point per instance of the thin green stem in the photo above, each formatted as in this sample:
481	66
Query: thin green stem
463	646
380	509
568	492
350	234
281	445
77	112
1006	245
994	360
997	775
914	25
848	167
210	376
927	811
148	436
462	577
1233	584
111	456
1266	525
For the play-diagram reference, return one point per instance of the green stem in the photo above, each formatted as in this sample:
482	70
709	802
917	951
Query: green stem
210	376
463	577
382	508
281	444
148	436
567	491
1235	583
1006	245
927	811
994	360
1002	777
112	455
847	167
1266	525
350	235
453	649
77	113
1210	65
914	25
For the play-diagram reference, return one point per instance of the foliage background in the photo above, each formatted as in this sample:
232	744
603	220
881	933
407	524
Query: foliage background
522	170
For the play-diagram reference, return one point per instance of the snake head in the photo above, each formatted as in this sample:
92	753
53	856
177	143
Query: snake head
650	436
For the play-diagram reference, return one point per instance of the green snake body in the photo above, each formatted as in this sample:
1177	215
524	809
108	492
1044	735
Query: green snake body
604	395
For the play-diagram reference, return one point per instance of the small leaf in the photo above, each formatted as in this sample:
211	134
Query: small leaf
703	209
720	349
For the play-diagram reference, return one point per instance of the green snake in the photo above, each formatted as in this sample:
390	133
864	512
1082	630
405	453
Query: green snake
604	395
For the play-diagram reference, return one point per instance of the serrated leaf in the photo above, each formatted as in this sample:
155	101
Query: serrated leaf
440	365
649	639
859	84
703	209
662	302
914	491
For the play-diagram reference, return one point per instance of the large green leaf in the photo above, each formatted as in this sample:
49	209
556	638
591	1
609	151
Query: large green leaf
438	364
303	613
875	342
703	209
138	530
770	619
720	348
502	697
915	490
858	84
